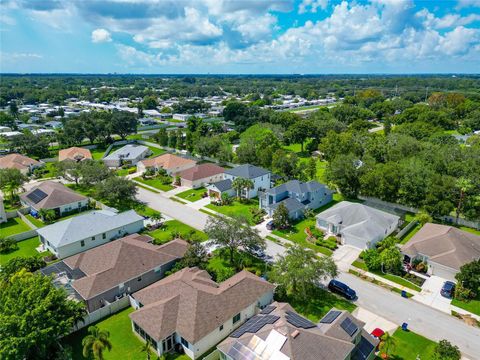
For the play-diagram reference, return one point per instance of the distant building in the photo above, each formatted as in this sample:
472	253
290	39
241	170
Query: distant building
82	232
4	129
128	155
3	214
260	178
75	154
182	117
172	164
201	175
17	161
297	196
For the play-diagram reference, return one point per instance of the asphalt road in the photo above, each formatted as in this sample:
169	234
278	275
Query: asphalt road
421	318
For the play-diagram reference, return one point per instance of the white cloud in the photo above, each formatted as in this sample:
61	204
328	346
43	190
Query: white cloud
13	57
312	6
100	36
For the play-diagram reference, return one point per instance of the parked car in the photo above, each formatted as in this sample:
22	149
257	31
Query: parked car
257	251
448	289
270	225
342	289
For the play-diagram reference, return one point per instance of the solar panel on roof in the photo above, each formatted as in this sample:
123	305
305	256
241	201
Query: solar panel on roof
298	321
363	350
330	317
349	326
254	324
267	309
36	196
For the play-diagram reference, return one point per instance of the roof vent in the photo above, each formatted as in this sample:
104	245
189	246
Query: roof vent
295	334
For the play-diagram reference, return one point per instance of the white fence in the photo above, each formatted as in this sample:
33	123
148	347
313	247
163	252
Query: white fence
24	235
406	229
105	311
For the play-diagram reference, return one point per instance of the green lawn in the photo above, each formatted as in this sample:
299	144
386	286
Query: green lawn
125	172
9	206
125	344
97	153
25	248
473	231
316	306
37	222
410	234
13	226
47	171
473	305
237	208
192	194
156	183
221	260
156	151
184	231
410	346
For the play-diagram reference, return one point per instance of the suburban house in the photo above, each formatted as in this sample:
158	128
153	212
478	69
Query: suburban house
20	162
297	196
444	248
74	153
279	333
260	178
3	213
189	310
79	233
101	275
357	224
130	154
52	195
201	175
172	164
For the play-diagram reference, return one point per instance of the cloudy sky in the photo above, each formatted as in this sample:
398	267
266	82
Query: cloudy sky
239	36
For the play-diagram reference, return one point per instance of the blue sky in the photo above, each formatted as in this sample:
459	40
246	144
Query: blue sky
240	36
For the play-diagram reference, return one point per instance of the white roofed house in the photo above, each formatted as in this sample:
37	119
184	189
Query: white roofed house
357	224
83	232
128	155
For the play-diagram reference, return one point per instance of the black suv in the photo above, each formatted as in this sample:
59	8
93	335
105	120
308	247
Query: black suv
342	289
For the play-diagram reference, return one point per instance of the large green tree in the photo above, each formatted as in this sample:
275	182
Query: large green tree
117	191
11	180
95	343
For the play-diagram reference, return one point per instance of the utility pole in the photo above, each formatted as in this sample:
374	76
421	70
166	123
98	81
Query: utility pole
426	93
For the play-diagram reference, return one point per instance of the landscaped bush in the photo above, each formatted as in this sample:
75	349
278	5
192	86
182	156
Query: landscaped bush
132	170
257	215
316	233
332	245
420	266
7	245
462	293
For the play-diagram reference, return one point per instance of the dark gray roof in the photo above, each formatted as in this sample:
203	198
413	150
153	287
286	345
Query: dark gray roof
291	204
223	185
298	187
247	171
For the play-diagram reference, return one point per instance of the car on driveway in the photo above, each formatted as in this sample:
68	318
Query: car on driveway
342	289
448	289
269	225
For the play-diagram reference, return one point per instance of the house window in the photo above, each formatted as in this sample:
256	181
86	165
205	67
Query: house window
82	243
184	342
221	327
236	318
93	238
139	279
79	204
104	236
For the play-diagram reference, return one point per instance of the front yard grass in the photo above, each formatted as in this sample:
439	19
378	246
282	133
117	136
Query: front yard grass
26	248
172	227
155	151
316	306
192	194
156	183
13	226
237	208
125	344
472	305
411	346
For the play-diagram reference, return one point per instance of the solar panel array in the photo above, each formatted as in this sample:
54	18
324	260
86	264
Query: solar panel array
254	324
298	321
349	326
36	196
241	352
330	317
267	309
363	350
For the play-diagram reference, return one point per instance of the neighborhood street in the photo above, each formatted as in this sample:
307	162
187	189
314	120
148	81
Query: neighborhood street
421	318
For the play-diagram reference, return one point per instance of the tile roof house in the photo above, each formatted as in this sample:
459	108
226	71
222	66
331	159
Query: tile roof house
79	233
130	154
279	333
172	164
260	177
105	273
75	154
52	195
444	248
297	196
188	309
17	161
358	225
201	175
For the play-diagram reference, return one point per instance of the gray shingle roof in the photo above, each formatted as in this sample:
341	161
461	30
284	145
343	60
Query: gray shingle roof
247	171
223	185
57	195
290	203
298	187
83	226
127	152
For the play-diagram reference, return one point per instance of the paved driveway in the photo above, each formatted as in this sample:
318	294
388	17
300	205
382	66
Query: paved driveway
345	255
430	294
373	321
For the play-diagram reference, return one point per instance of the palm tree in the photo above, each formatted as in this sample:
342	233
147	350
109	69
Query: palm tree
237	185
387	345
96	342
156	217
464	185
146	349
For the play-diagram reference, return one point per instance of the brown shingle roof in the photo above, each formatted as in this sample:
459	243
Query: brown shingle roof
201	171
190	303
445	245
74	153
17	161
167	161
57	195
108	265
300	344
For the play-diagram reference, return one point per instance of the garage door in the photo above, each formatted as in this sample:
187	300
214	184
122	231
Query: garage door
443	272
